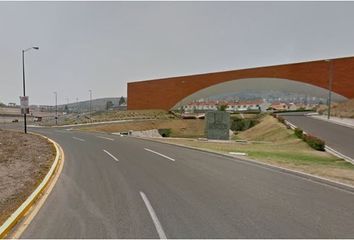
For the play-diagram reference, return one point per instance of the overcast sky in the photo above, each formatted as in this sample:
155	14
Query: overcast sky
103	45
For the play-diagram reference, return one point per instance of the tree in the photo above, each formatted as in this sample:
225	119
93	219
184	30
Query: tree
121	101
222	107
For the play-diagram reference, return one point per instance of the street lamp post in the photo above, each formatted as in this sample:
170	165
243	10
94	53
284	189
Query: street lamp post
56	108
77	105
330	80
24	82
90	104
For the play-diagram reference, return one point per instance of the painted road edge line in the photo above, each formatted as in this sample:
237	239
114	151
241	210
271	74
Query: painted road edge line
153	215
160	154
79	139
111	139
320	180
111	155
26	205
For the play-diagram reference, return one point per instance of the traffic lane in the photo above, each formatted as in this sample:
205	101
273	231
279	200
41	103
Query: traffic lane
231	199
92	198
179	221
338	137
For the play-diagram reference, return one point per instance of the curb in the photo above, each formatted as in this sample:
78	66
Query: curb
21	211
314	178
334	122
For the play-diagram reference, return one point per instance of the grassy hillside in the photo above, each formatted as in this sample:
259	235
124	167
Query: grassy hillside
344	109
269	129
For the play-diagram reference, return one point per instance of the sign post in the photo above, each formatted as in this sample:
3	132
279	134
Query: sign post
24	109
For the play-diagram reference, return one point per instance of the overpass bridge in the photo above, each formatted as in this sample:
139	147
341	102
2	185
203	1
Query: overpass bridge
310	77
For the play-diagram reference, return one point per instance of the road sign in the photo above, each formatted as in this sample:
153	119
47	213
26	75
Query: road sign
24	102
24	105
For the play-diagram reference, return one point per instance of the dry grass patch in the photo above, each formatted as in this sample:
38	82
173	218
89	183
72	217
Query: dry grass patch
179	127
24	161
269	129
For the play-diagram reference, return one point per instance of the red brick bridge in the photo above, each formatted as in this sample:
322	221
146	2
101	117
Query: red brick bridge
167	93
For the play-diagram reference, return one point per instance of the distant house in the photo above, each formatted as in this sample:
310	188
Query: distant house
239	106
11	104
278	106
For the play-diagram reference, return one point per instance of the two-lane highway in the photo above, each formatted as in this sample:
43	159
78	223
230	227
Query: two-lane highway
122	187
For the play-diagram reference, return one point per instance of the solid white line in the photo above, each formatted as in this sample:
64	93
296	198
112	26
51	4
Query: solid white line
111	155
156	221
111	139
80	139
159	154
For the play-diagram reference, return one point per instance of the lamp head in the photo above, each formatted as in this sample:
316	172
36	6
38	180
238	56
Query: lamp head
36	48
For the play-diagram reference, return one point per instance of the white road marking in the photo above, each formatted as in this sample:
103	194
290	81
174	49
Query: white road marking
111	139
156	221
79	139
160	154
111	155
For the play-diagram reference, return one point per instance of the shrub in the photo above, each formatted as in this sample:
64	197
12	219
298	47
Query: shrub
242	124
281	119
298	132
314	142
165	132
222	107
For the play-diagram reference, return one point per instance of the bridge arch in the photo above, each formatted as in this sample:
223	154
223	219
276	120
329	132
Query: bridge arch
169	92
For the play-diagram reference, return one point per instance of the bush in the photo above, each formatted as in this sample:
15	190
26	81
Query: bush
314	142
165	132
299	133
281	119
242	124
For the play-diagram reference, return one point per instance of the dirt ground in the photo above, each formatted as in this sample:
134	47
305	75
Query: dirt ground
179	127
24	161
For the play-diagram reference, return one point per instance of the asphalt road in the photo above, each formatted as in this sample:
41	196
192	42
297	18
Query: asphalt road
122	187
338	137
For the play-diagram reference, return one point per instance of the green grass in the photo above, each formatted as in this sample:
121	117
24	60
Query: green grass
301	159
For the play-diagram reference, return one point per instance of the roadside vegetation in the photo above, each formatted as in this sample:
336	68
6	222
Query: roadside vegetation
273	143
191	128
25	159
342	110
103	116
312	141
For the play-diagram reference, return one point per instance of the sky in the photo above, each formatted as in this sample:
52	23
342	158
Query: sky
103	45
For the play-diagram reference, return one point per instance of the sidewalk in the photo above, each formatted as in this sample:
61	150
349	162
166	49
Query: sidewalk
347	122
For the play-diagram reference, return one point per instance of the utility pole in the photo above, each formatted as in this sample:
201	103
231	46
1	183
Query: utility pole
90	104
56	108
67	105
77	105
330	80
